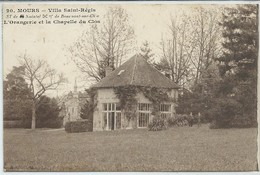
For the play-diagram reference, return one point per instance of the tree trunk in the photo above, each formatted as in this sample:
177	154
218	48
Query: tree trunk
33	115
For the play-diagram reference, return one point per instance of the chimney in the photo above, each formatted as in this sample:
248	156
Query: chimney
168	75
108	70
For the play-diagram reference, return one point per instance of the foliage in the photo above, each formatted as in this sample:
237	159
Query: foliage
200	97
236	102
41	78
146	52
48	113
78	126
156	96
224	112
17	124
15	86
17	102
178	120
17	109
128	102
87	110
241	38
157	124
228	98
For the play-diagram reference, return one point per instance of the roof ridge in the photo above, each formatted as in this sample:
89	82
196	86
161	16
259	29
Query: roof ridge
132	79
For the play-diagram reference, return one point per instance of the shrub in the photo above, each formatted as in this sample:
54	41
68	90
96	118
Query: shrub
213	125
241	122
78	126
223	113
50	123
157	124
13	124
17	123
178	120
172	121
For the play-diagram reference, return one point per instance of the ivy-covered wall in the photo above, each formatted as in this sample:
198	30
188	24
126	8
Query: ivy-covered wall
129	97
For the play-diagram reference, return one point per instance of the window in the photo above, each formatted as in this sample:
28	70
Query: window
143	114
111	116
165	110
143	119
144	107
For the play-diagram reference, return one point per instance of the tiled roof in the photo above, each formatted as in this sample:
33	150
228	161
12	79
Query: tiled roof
137	72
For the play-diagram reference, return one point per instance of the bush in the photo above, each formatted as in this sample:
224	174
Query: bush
178	120
213	125
157	124
172	121
78	126
50	123
224	113
17	123
241	122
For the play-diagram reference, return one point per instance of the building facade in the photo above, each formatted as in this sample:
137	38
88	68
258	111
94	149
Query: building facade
136	72
73	103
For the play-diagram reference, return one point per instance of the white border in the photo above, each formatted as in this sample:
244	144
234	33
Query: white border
115	2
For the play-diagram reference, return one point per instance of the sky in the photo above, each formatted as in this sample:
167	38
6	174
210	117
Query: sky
50	41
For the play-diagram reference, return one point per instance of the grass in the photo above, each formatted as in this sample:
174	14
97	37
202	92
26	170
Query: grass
175	149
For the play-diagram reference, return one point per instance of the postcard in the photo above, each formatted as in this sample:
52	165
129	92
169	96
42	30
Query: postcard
130	87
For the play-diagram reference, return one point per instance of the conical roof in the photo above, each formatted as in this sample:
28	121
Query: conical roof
137	72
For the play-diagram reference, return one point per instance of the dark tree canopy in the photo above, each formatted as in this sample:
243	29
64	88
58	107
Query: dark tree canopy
48	113
17	95
238	64
15	86
228	96
241	39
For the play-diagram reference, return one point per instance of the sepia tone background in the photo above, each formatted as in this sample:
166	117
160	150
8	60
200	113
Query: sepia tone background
51	42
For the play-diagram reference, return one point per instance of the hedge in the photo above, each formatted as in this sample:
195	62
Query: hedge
17	124
78	126
50	123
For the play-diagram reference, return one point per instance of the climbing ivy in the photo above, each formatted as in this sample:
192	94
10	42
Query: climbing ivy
156	96
128	102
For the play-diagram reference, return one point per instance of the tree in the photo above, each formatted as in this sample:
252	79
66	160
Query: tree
201	96
17	95
103	45
146	52
190	46
175	51
87	110
239	59
207	36
15	85
241	40
41	78
48	113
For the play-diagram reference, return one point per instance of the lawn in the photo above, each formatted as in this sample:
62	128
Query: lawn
175	149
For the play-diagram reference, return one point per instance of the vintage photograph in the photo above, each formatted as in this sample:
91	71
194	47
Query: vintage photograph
130	87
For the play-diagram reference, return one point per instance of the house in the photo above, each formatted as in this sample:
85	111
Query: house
109	113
